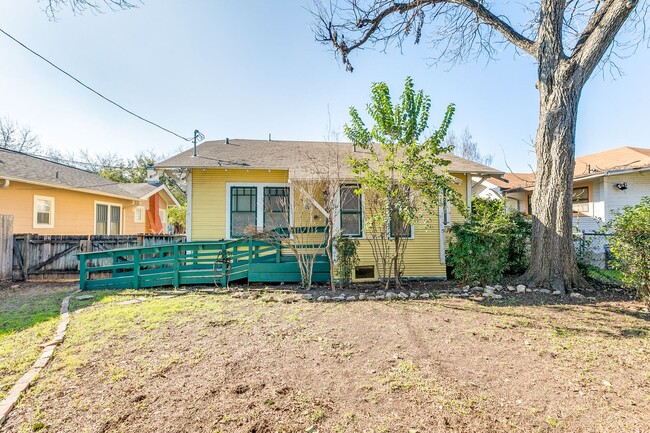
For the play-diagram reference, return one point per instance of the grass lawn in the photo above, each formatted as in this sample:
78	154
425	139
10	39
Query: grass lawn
212	363
29	316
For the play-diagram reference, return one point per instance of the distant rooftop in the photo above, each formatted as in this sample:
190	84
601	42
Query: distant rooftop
621	158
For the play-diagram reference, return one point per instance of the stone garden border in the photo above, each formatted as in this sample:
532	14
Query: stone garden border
488	292
8	403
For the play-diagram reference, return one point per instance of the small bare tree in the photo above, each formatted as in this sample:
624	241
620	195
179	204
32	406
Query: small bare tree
294	221
466	147
328	170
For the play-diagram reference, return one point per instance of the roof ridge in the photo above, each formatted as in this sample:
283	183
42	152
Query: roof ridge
46	159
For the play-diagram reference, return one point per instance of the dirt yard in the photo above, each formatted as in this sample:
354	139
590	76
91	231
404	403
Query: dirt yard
212	363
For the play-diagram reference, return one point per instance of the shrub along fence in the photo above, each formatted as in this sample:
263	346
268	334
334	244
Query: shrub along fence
47	257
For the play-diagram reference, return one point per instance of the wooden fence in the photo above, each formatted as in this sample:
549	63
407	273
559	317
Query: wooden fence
6	246
55	257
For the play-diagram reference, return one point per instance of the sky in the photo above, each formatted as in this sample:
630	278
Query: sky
246	69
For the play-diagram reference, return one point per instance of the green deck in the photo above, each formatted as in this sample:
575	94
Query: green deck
191	263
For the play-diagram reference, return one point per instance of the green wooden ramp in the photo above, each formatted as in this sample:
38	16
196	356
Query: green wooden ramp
194	263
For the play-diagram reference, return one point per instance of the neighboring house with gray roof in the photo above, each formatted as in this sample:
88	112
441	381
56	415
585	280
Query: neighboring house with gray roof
47	197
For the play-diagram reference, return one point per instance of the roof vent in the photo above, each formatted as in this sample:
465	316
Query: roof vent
227	140
269	136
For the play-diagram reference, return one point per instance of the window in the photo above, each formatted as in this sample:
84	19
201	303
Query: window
351	211
243	210
139	214
276	207
364	272
108	219
399	227
43	212
446	211
162	214
580	199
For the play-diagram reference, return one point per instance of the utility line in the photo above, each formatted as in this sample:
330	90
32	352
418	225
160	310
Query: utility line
93	90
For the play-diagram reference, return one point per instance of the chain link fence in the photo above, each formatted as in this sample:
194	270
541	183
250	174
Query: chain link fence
592	248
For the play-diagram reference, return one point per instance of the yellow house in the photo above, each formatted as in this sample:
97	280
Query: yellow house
49	198
229	182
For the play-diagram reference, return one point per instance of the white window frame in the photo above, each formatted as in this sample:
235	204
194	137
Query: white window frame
108	223
337	222
137	209
36	224
446	209
259	201
410	236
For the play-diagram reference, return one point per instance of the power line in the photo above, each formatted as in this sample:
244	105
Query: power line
93	90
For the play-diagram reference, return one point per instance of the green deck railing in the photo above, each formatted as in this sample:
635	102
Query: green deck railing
191	263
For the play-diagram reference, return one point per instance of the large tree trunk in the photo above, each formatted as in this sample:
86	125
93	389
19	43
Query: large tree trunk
553	259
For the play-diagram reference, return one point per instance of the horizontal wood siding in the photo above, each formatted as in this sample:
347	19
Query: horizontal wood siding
422	256
638	186
209	197
74	211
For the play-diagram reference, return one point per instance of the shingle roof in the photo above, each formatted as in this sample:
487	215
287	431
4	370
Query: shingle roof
29	168
298	157
621	158
139	189
595	164
514	180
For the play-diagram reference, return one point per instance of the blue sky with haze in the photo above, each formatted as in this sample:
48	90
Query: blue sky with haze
244	69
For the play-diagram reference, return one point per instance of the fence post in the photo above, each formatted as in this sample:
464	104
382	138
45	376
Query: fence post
83	275
26	256
224	266
6	246
177	265
136	268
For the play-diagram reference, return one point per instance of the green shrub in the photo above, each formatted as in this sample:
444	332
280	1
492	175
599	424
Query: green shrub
630	245
493	242
346	259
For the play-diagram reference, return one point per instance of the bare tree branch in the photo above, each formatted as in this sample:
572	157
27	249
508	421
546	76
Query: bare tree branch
18	137
386	20
53	7
599	34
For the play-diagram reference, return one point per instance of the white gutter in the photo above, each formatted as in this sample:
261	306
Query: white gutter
5	183
611	173
66	187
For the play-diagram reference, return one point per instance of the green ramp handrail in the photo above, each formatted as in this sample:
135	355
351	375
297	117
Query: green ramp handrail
180	263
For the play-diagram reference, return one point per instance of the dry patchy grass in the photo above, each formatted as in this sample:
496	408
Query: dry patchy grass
210	363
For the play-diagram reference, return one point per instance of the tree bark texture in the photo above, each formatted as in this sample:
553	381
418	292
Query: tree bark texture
553	259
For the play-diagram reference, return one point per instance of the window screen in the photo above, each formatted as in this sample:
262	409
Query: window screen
101	219
43	211
243	210
116	220
351	211
276	207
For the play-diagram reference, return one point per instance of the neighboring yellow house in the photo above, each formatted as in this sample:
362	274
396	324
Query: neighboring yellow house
230	180
49	198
